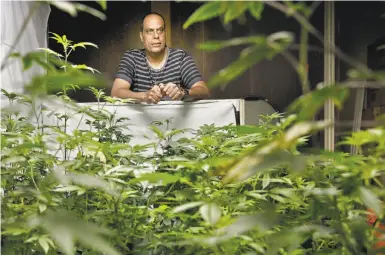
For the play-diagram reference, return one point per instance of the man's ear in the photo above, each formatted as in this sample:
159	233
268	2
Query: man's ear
141	36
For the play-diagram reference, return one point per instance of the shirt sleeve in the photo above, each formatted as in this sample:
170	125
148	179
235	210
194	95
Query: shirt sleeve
190	73
126	67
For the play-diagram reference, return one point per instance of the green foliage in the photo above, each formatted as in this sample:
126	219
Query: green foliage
73	8
206	11
61	74
256	9
69	47
225	190
229	9
259	48
231	189
308	105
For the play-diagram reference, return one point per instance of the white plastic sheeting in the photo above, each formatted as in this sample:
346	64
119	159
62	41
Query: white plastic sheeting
180	116
139	117
192	115
13	16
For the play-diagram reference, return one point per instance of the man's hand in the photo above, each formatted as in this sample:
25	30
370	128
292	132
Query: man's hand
153	96
172	90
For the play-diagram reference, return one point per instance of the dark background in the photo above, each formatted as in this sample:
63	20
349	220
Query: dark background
358	24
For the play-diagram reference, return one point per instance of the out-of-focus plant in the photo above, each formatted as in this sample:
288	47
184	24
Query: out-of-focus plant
226	190
68	47
261	46
232	189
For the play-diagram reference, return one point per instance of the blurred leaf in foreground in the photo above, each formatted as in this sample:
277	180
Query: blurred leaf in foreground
207	11
256	9
65	229
262	221
73	8
261	48
309	104
211	213
218	45
272	154
234	10
56	81
163	178
371	200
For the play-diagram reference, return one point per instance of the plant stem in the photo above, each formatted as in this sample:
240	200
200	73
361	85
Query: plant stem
87	206
65	131
116	213
33	180
341	228
80	122
67	55
303	60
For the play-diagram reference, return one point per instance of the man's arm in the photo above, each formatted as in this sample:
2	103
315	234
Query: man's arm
124	78
199	90
192	79
121	89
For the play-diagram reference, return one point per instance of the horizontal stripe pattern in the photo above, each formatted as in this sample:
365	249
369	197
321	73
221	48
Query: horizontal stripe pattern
180	68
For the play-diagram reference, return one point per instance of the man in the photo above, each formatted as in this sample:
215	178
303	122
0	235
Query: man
157	72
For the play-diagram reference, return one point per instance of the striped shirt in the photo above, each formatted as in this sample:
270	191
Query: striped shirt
179	68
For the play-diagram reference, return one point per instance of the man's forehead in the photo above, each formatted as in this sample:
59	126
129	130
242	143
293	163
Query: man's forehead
153	21
153	26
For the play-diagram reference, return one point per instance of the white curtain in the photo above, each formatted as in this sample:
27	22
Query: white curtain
13	15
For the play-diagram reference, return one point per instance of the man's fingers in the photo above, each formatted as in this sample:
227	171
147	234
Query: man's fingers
166	89
176	92
153	100
169	87
149	99
156	88
156	94
177	96
173	93
156	91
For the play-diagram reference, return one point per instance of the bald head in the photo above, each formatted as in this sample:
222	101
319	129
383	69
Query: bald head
153	33
151	15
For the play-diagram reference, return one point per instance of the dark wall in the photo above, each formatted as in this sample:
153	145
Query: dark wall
113	36
359	24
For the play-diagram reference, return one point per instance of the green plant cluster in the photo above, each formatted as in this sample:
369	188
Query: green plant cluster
225	190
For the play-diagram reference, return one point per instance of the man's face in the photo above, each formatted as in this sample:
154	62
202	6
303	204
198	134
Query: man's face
153	35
